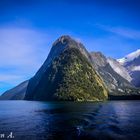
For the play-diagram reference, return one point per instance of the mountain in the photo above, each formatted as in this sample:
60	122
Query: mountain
121	70
67	74
117	85
16	93
132	63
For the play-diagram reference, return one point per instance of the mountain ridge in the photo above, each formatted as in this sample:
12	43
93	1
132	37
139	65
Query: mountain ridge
116	84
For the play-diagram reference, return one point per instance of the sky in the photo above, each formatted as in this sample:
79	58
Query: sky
29	27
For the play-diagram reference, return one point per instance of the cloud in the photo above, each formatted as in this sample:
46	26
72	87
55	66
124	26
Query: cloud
136	68
22	52
20	46
121	31
11	79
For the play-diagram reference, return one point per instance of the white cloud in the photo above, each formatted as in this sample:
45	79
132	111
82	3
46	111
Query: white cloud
136	68
10	79
21	46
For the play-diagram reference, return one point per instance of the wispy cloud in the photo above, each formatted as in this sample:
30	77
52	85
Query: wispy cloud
10	79
21	46
136	68
22	52
121	31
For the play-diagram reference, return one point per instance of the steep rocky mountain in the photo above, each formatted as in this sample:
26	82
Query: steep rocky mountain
16	93
57	48
132	63
67	74
116	84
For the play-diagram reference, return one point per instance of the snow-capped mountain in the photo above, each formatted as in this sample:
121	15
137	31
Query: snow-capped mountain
130	57
132	63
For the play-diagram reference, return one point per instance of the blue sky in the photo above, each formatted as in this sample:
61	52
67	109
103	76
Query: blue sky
29	27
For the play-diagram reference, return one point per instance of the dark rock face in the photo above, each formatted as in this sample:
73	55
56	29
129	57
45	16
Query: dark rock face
116	84
16	93
68	76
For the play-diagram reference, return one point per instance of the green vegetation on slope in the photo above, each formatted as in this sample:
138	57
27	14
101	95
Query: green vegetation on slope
70	77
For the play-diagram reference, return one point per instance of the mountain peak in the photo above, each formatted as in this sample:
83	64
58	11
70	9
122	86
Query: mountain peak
67	37
63	40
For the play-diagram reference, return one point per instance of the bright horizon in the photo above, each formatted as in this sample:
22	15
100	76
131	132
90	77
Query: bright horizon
28	29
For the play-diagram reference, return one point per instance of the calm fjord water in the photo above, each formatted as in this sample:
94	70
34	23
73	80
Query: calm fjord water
31	120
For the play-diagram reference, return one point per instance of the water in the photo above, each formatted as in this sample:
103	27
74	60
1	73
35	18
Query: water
29	120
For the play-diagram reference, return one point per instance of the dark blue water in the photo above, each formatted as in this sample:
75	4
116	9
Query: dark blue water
29	120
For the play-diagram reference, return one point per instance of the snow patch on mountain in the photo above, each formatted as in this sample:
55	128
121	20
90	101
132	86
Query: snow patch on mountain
129	57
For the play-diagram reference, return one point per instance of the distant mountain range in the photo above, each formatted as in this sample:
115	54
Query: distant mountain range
71	73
